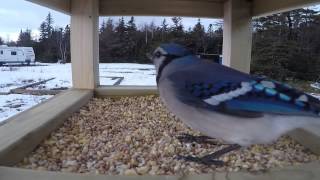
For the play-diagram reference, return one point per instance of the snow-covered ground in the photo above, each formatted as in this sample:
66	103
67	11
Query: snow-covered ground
134	74
315	95
14	103
18	76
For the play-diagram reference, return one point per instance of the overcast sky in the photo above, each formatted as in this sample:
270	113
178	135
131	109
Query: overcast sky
20	14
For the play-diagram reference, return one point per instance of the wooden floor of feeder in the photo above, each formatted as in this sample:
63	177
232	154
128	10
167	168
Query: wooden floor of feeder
19	145
22	133
137	136
303	172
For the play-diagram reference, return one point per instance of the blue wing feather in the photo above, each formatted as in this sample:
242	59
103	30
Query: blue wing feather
195	80
281	99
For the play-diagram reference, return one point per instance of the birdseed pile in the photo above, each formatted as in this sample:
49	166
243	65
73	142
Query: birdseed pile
137	135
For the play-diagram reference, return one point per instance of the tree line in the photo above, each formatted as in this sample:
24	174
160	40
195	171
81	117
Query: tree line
285	45
123	42
52	45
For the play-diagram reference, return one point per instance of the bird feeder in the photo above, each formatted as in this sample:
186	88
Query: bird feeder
23	132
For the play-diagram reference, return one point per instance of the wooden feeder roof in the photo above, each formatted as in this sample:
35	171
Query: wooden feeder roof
191	8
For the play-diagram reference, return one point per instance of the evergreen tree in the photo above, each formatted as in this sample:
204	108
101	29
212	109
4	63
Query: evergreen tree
107	40
131	26
109	26
131	39
210	31
198	38
11	43
119	47
121	29
1	41
218	40
49	24
283	45
46	27
43	31
177	28
66	39
25	38
48	48
164	30
103	26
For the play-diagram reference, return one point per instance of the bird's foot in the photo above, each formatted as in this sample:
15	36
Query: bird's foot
187	138
211	159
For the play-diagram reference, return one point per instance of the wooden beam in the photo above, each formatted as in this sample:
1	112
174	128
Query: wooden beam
105	91
85	43
58	5
237	35
308	137
309	171
264	8
192	8
23	132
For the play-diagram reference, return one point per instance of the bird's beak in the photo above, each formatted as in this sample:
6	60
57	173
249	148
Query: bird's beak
149	56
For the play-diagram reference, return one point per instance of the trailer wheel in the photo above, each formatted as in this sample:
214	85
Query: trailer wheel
1	64
28	63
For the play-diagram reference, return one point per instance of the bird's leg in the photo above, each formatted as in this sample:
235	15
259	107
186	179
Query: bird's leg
187	138
211	159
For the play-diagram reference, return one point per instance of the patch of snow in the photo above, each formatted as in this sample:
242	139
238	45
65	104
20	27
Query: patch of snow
316	95
17	76
15	103
13	77
134	74
315	85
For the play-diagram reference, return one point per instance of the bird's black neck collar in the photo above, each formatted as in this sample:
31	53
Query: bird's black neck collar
168	60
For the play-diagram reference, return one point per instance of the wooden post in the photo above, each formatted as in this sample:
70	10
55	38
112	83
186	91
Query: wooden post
85	43
237	35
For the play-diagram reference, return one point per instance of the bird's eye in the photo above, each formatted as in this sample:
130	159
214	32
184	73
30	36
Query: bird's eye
157	54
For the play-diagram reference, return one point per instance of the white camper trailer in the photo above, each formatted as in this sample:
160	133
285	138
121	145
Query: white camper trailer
24	55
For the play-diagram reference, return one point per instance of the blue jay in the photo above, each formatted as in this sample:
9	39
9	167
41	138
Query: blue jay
224	103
